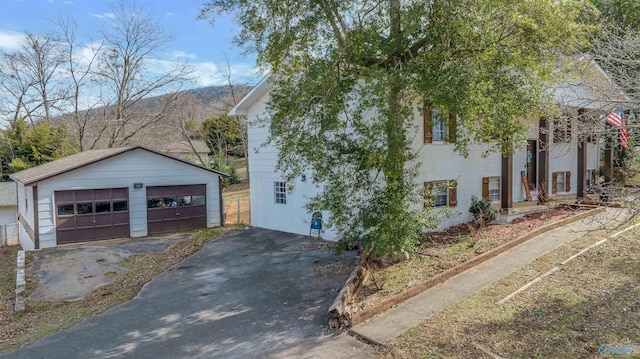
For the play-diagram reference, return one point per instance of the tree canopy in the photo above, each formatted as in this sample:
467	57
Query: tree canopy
349	76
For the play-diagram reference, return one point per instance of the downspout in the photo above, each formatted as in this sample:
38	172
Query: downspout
36	225
220	200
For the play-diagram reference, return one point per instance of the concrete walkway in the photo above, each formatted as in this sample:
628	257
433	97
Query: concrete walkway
394	322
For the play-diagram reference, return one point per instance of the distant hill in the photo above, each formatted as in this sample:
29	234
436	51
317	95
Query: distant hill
154	122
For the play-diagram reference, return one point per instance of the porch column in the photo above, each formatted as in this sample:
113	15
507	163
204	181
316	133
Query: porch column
543	160
506	183
582	161
608	157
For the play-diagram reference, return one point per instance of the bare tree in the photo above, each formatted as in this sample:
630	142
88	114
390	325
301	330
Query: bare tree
30	79
80	65
129	72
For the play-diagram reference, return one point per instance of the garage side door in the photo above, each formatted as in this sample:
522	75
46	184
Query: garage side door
91	215
176	208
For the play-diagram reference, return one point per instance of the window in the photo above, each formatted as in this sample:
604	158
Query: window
560	182
154	202
280	190
120	206
65	209
441	193
438	126
197	200
84	208
103	207
491	188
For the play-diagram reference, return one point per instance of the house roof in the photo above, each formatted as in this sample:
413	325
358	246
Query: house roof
54	168
242	108
8	194
592	88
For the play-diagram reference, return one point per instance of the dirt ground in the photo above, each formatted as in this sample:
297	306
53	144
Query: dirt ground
439	251
230	207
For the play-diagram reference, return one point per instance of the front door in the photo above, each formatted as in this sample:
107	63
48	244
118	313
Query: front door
532	156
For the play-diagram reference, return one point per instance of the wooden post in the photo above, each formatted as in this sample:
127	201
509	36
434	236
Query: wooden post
543	160
506	183
581	189
609	153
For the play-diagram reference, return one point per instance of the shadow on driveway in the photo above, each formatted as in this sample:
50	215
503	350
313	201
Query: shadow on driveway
249	294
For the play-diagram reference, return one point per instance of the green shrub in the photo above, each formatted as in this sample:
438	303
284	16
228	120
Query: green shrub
482	211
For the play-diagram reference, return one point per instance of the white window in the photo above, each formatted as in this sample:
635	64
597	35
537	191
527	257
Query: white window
280	191
439	127
560	182
494	189
440	194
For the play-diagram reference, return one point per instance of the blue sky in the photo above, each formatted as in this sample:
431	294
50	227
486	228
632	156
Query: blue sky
204	46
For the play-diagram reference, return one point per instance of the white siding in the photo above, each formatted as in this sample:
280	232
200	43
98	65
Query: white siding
123	171
25	211
438	161
265	213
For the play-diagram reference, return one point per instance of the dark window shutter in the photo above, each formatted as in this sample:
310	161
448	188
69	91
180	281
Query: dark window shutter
453	128
594	177
453	194
485	188
428	131
554	182
428	198
567	134
567	181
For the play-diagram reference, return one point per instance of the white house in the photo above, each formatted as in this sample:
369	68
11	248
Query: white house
113	193
556	161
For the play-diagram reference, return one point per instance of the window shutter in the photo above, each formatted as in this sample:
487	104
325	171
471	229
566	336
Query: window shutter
568	132
428	131
594	177
485	188
554	183
567	181
556	131
453	128
428	198
453	194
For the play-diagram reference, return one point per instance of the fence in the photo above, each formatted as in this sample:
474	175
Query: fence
237	210
8	234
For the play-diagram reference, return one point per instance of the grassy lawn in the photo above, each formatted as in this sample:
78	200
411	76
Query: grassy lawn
45	318
240	164
589	302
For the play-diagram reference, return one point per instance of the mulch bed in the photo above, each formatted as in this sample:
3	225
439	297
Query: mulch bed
439	251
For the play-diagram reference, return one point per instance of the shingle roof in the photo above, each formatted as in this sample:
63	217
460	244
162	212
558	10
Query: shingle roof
8	194
81	159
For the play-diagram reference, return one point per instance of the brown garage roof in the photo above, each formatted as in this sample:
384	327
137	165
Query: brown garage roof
81	159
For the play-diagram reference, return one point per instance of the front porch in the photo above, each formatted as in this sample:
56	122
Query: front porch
520	209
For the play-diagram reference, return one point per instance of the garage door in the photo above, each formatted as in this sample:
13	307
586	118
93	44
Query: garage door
176	208
93	214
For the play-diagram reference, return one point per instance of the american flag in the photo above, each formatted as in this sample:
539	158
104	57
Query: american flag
615	118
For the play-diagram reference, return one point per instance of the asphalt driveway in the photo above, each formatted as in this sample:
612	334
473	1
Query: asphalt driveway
249	294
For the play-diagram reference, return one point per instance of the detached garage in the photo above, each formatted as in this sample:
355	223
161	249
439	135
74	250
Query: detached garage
114	193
